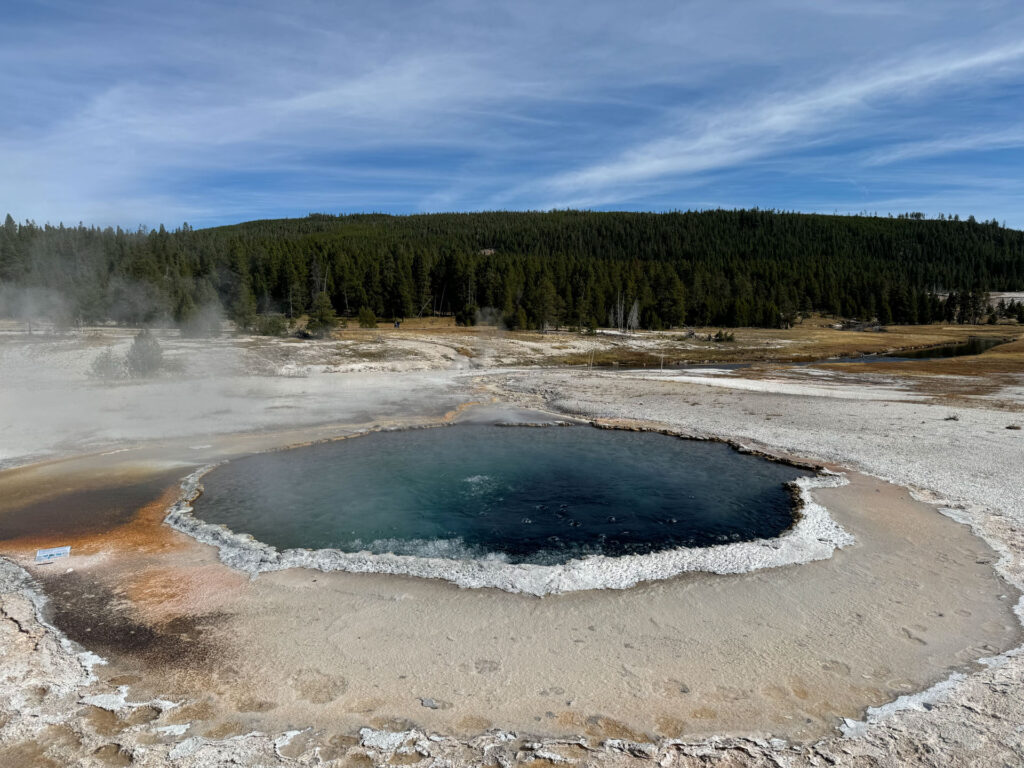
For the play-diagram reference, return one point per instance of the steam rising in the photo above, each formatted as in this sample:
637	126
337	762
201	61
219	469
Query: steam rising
52	403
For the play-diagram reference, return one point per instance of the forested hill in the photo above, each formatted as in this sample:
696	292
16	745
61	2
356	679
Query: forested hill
721	267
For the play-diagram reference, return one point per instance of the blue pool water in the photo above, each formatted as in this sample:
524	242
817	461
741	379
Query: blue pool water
524	494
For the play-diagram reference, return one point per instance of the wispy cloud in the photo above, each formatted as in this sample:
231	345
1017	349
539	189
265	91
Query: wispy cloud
120	112
1010	138
741	133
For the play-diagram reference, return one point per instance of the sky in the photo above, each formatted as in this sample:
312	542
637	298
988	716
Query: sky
142	113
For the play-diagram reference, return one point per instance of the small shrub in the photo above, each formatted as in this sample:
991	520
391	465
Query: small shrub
108	366
467	316
145	356
271	325
366	318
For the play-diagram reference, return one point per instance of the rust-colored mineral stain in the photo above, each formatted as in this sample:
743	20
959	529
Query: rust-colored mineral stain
93	520
461	408
123	532
122	597
160	592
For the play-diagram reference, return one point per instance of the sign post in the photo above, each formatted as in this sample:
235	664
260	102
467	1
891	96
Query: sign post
49	555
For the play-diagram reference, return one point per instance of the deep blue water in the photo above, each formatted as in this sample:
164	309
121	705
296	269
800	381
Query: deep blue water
529	494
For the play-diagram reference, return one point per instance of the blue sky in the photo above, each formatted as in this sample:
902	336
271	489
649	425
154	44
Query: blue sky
129	113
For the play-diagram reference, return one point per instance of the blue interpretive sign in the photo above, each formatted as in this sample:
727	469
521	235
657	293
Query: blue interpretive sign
49	555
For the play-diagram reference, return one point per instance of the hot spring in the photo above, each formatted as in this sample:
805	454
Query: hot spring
519	495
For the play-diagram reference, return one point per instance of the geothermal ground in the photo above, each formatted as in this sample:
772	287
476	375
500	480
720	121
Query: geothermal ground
147	647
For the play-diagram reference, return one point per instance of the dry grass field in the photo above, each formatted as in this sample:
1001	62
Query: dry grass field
814	339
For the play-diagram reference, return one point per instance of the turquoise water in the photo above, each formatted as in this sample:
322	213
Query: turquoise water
524	494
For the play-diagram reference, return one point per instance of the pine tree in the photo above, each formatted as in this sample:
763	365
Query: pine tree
544	303
713	268
367	318
322	317
243	311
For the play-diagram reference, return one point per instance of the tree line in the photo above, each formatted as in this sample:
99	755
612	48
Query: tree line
526	269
